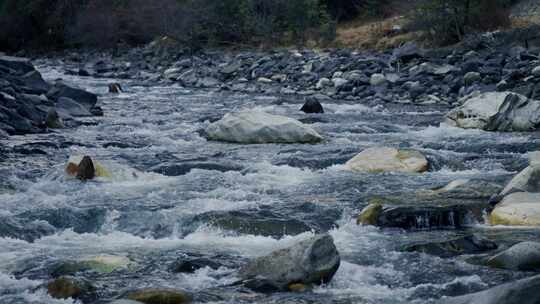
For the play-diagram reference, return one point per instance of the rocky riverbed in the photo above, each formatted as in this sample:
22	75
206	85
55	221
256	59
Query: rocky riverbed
178	215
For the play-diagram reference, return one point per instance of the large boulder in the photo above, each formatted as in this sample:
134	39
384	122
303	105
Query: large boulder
517	209
522	256
312	261
19	64
497	111
386	159
523	292
254	127
68	107
528	180
82	97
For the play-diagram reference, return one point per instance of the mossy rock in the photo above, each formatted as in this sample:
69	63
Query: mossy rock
159	296
370	214
69	287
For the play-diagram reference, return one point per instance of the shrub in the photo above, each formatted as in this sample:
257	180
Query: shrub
448	21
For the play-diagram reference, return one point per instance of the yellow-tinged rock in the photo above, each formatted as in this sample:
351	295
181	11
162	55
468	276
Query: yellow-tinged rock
369	215
386	159
517	209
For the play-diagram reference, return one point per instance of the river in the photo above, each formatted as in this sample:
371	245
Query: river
261	198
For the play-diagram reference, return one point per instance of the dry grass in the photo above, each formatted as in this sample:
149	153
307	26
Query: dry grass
375	34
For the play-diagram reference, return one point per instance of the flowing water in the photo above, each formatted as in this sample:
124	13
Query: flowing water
237	201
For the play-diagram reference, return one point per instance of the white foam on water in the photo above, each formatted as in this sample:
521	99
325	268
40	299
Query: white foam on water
206	278
347	108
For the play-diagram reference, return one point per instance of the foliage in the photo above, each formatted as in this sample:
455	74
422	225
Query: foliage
448	21
34	23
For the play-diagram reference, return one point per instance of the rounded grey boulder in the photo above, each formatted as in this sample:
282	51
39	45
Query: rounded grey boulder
523	292
522	256
312	261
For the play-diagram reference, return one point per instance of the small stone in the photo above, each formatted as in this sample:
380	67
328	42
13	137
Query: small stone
536	71
377	79
471	78
115	88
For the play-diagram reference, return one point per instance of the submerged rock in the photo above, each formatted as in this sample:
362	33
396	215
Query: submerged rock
69	287
101	264
159	296
471	244
312	261
522	256
385	159
523	292
254	127
497	111
517	209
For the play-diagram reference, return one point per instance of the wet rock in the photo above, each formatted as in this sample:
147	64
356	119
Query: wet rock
69	287
471	77
523	292
253	127
115	88
68	107
17	63
35	83
471	244
52	120
259	222
471	189
86	170
370	215
312	106
101	264
517	209
159	296
86	99
522	256
528	180
425	217
73	164
497	111
312	261
386	159
184	168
